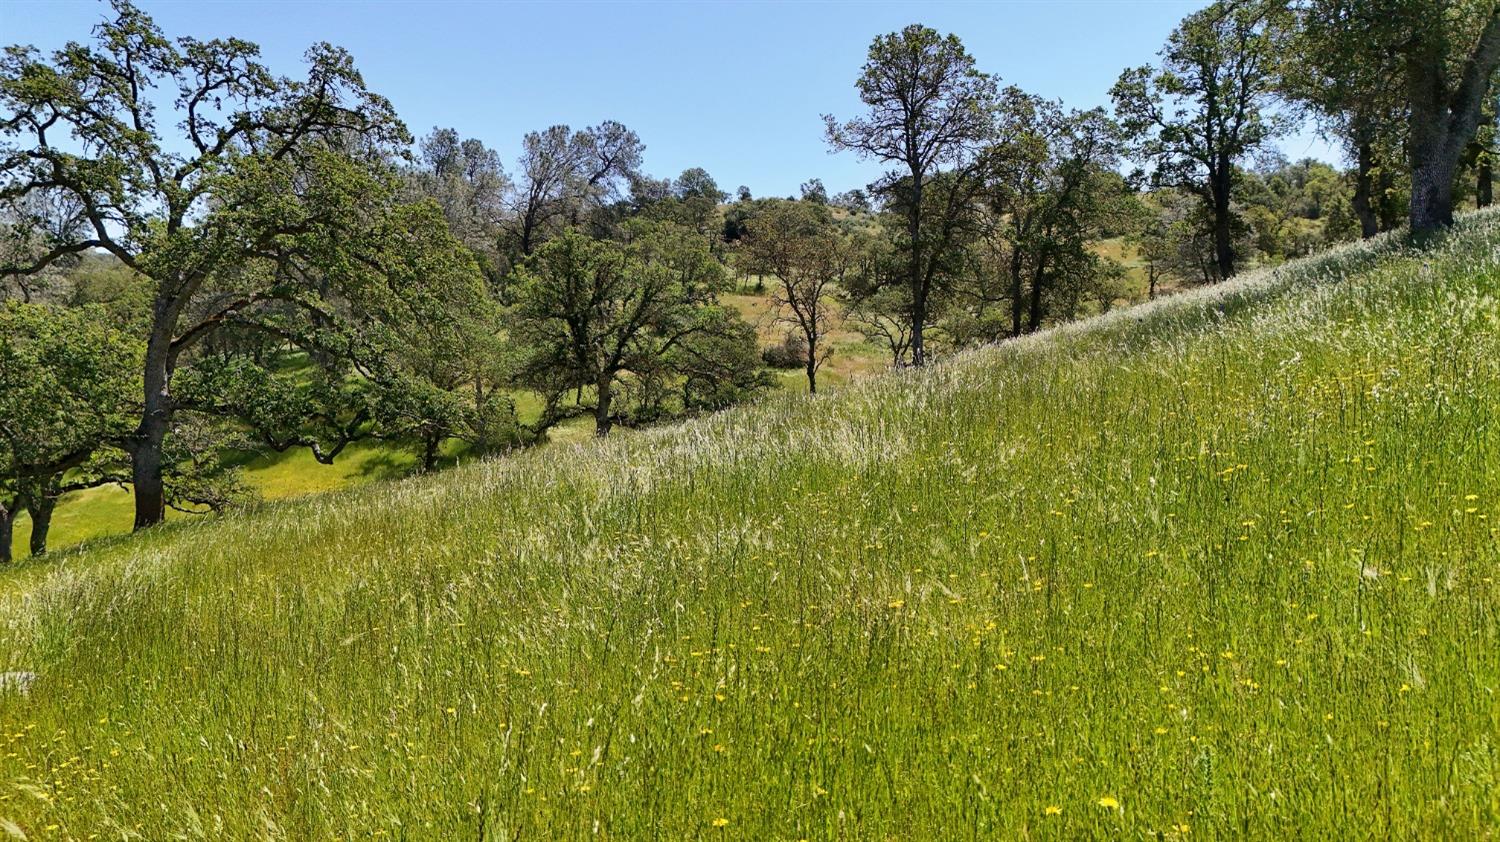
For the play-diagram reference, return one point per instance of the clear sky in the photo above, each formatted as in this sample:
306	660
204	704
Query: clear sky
735	87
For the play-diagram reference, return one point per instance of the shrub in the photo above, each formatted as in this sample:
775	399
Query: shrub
791	353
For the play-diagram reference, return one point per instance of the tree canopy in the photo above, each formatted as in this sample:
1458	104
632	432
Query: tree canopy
597	313
67	395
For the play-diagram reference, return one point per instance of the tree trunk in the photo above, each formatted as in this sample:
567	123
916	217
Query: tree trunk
918	318
430	452
1484	190
1223	231
1386	206
7	529
1017	299
146	443
812	364
1038	285
526	235
1442	121
1363	187
918	288
146	477
1431	195
41	510
602	420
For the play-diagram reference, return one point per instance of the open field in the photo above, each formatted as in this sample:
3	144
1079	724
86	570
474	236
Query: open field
1223	566
1127	255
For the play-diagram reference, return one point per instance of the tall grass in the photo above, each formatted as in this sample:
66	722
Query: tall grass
1221	566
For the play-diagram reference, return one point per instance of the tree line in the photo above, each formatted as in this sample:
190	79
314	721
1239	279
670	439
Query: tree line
201	259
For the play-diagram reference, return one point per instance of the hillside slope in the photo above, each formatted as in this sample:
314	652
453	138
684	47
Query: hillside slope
109	510
1221	565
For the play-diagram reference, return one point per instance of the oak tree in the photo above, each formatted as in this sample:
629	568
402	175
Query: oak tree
929	113
799	245
67	383
590	313
1195	119
262	213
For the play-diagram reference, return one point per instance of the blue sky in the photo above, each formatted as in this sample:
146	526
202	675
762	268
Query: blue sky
735	87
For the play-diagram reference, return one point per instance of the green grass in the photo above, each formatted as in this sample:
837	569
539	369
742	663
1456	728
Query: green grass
1128	255
1223	563
108	511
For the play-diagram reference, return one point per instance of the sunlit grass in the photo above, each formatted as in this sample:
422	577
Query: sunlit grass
100	512
108	511
1220	566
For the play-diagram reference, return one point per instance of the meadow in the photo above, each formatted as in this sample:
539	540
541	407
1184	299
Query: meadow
1222	565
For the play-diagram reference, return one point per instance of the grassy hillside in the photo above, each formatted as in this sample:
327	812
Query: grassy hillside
109	510
101	512
1223	565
